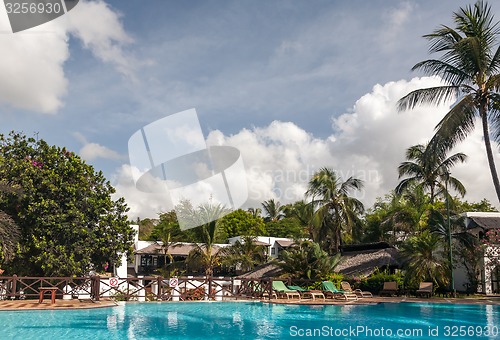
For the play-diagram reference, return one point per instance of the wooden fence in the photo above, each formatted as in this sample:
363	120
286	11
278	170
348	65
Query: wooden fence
146	288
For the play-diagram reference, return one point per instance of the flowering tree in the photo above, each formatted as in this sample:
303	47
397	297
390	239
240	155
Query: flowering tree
491	244
68	222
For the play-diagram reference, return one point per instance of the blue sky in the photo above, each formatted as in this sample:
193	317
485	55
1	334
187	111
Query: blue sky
262	75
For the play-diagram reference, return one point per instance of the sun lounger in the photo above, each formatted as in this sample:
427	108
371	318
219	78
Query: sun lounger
346	287
331	291
264	293
283	291
390	289
425	289
308	294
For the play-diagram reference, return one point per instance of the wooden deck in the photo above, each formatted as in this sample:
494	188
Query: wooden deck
59	304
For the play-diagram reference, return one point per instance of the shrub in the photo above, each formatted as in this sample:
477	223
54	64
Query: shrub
375	282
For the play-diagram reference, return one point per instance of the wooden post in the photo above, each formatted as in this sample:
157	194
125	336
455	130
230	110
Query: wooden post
14	287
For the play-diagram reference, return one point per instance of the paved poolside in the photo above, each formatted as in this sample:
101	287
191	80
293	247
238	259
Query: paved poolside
483	300
11	305
59	304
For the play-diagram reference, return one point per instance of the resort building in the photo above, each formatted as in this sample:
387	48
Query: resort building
274	245
480	224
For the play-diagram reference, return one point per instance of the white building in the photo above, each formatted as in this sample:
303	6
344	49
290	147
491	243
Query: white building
478	224
274	244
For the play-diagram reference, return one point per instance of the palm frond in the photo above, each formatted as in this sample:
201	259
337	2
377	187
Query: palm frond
432	95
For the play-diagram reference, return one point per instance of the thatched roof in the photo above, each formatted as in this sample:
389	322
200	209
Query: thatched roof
364	263
484	222
264	270
177	249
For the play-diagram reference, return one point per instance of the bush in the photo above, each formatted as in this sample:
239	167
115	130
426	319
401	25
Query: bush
375	282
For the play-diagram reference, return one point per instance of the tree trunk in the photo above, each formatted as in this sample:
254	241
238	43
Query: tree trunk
489	153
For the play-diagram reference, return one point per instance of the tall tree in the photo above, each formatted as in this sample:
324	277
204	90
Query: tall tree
166	234
273	210
335	210
69	222
306	260
206	254
424	260
469	65
430	169
9	231
244	255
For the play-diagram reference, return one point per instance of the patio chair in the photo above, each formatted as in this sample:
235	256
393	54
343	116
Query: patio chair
425	289
263	293
331	291
346	286
308	294
282	290
390	289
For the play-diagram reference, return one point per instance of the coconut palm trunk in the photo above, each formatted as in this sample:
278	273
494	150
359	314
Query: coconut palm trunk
469	66
489	152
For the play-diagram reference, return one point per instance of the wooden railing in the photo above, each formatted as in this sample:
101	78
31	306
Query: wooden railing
146	288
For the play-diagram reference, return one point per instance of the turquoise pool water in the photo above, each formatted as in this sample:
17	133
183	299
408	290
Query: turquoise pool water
255	320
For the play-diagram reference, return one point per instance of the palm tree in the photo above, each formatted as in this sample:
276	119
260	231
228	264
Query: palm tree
206	254
306	260
423	258
273	209
428	168
255	212
469	66
335	209
244	255
166	234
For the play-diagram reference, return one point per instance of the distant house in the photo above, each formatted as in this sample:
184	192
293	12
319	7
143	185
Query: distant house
478	224
274	244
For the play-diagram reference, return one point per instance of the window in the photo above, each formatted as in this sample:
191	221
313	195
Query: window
273	251
495	280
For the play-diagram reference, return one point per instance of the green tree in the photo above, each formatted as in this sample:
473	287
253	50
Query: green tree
273	210
290	227
430	169
9	231
336	210
307	260
424	260
469	65
241	223
166	234
397	217
205	254
303	212
244	255
69	223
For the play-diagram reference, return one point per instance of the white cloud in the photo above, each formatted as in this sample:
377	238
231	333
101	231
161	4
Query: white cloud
369	143
99	28
141	204
92	151
32	64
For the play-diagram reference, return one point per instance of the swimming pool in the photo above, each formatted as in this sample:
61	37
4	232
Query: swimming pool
255	320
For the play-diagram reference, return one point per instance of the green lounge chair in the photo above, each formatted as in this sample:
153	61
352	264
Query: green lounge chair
331	291
346	287
263	293
283	291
